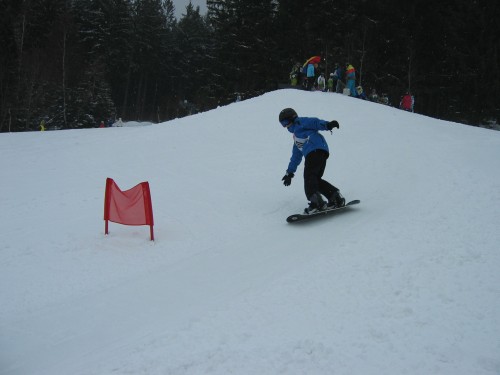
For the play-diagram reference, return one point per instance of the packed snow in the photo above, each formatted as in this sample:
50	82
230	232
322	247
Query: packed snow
407	282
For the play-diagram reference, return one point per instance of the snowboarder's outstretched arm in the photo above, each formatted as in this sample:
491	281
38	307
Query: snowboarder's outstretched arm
295	160
313	123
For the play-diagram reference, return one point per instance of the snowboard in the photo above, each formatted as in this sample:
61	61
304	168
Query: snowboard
301	217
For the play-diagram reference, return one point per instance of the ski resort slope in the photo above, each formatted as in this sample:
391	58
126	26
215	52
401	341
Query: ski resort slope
407	282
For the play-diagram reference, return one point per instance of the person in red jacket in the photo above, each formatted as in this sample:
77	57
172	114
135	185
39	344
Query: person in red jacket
406	103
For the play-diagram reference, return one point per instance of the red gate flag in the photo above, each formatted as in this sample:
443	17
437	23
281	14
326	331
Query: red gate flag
129	207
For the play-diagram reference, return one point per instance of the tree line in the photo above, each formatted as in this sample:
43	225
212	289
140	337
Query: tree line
74	63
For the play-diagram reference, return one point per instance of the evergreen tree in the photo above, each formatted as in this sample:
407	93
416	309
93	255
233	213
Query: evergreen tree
8	62
91	101
244	31
151	31
69	61
38	28
119	44
193	38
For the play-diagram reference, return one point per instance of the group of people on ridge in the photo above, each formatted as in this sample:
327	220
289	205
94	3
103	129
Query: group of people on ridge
310	78
341	81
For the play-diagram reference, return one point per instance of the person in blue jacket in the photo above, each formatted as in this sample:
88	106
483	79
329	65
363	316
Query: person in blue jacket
311	76
311	145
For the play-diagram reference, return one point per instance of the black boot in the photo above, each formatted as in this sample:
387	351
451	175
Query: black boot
336	200
316	204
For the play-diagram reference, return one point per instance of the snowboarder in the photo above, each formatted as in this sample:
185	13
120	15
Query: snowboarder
311	145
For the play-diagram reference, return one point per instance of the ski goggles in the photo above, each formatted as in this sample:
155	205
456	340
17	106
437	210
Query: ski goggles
285	123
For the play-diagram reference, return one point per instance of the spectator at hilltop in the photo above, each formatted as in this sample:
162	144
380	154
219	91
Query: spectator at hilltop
406	103
350	76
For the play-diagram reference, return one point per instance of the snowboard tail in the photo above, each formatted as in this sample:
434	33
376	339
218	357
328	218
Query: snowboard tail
301	217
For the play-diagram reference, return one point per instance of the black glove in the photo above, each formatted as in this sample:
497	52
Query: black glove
332	124
287	179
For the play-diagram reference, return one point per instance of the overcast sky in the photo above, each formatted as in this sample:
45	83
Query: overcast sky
180	6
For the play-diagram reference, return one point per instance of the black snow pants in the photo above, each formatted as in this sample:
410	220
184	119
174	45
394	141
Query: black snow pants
314	168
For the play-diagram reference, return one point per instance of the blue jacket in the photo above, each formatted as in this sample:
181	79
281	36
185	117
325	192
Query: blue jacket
310	70
306	139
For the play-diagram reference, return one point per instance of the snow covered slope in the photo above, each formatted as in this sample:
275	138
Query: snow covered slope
407	282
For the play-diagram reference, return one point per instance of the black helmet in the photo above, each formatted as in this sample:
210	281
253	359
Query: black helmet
287	116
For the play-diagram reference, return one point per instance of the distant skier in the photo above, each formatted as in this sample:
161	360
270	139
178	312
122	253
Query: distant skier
312	145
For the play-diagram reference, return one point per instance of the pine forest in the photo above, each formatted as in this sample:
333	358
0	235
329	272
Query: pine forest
76	63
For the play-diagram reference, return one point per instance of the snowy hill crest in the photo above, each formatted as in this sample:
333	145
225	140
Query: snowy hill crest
406	283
